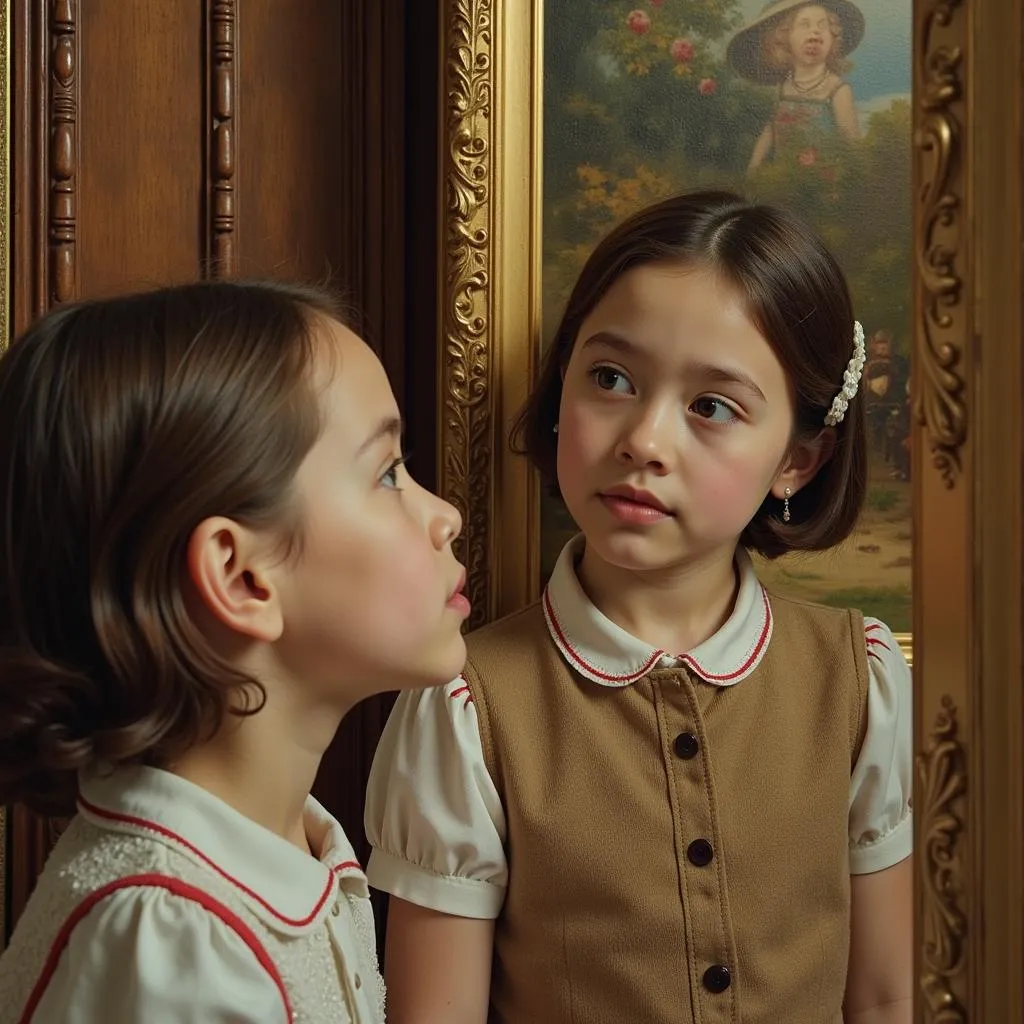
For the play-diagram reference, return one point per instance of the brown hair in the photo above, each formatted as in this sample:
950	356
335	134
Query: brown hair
776	49
796	296
123	424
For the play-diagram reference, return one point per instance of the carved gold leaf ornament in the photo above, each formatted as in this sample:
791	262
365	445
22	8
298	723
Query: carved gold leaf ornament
939	405
466	442
943	781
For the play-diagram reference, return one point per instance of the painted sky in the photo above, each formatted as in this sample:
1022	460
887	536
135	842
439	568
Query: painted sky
883	60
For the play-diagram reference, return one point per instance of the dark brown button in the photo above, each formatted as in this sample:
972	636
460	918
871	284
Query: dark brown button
717	978
700	852
686	745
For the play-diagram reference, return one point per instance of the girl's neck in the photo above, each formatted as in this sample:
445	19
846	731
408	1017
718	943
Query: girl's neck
673	609
264	765
807	76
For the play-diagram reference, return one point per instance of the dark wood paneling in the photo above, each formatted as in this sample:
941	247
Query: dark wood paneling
140	177
292	143
420	223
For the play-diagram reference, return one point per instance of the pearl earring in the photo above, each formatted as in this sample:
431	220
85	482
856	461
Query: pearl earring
785	505
554	429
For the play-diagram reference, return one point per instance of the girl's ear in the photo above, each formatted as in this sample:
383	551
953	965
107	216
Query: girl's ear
227	565
803	462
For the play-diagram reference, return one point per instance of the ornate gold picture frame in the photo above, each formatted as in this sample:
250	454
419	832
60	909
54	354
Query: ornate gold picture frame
966	215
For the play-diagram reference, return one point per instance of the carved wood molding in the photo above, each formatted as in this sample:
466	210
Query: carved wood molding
467	455
943	778
63	157
938	140
222	93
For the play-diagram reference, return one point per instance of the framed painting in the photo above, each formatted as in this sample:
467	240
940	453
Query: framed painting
538	156
617	105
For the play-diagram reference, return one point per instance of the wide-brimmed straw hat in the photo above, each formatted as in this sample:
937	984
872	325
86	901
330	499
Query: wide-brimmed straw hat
746	48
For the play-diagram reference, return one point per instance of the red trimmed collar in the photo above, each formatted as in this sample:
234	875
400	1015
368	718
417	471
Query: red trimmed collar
604	653
289	890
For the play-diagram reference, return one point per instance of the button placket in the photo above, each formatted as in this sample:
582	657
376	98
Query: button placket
341	937
705	905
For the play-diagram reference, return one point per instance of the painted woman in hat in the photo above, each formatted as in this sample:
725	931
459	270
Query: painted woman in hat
801	48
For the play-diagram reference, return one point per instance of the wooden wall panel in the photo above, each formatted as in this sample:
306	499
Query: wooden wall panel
139	177
292	141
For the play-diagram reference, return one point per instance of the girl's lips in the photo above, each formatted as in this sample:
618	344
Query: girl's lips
637	496
458	602
629	510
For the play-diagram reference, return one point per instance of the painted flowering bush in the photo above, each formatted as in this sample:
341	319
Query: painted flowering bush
638	98
674	36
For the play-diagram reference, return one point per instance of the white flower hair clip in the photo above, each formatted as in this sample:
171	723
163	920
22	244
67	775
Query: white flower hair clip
851	379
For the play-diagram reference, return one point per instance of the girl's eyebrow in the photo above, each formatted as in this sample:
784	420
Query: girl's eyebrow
726	375
390	426
618	342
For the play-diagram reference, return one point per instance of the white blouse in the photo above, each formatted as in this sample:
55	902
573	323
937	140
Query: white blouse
435	820
162	903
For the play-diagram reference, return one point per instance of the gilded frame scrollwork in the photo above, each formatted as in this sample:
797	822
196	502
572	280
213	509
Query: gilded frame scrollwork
945	700
490	173
942	782
938	136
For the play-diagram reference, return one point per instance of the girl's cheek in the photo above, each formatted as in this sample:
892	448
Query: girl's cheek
578	432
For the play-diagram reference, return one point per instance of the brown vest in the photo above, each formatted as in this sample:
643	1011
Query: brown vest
678	851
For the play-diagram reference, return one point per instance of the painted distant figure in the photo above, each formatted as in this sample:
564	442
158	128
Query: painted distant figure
802	49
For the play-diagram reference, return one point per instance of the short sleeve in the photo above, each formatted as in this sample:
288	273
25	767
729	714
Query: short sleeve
156	953
881	829
433	816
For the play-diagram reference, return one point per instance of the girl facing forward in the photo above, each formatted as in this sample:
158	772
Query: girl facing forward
209	552
801	48
661	793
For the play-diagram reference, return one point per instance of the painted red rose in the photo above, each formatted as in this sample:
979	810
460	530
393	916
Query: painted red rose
638	22
682	51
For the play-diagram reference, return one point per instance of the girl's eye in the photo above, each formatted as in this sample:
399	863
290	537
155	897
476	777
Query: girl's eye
714	410
390	475
607	378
